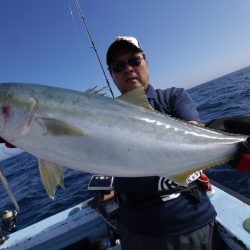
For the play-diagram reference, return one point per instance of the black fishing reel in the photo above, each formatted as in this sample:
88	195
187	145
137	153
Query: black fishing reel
9	219
2	237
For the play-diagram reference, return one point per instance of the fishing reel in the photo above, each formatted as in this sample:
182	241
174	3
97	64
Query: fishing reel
2	237
9	219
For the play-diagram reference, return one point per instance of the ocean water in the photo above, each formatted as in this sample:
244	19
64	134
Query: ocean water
227	95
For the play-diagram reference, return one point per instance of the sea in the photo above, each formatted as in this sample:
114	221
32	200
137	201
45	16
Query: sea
224	96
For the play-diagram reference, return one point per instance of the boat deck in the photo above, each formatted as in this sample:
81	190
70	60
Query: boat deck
84	225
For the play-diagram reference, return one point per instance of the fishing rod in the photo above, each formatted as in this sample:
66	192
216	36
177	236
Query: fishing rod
93	45
8	189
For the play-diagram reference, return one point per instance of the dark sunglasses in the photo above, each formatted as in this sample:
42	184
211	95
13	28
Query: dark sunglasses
121	65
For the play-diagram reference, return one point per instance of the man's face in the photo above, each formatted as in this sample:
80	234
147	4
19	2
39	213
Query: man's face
129	70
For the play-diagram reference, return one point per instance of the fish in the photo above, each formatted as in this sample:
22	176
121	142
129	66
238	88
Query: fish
89	132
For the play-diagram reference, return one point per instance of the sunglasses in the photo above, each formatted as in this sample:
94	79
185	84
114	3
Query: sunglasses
121	65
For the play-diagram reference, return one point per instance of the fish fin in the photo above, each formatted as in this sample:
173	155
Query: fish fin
52	175
8	190
61	182
136	97
95	91
58	128
182	177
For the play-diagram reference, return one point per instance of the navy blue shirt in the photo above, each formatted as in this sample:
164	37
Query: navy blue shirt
157	217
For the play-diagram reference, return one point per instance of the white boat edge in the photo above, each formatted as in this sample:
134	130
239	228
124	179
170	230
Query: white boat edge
232	210
6	153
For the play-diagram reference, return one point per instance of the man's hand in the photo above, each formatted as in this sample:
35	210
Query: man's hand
238	124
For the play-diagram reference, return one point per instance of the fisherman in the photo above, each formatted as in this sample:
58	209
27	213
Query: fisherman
156	212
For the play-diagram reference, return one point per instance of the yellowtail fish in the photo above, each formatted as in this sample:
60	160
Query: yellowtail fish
97	134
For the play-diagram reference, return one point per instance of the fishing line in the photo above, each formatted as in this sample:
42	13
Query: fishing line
93	45
75	27
105	220
80	39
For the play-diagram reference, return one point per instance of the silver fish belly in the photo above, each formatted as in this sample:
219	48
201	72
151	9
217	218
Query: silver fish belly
97	134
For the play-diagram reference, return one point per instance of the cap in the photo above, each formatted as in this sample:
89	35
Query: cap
121	42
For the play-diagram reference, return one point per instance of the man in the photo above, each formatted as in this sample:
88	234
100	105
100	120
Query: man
157	213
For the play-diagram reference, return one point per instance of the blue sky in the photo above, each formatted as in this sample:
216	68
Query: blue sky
188	42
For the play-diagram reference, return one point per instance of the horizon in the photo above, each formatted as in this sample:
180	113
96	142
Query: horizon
216	78
187	43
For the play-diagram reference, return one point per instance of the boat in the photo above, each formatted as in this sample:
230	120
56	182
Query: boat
91	224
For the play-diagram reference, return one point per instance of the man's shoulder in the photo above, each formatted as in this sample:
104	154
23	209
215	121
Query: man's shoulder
173	101
167	93
172	91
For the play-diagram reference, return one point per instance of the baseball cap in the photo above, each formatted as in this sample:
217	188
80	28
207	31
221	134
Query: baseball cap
121	42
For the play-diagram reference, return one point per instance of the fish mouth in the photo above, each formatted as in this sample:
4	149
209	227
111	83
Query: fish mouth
19	129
